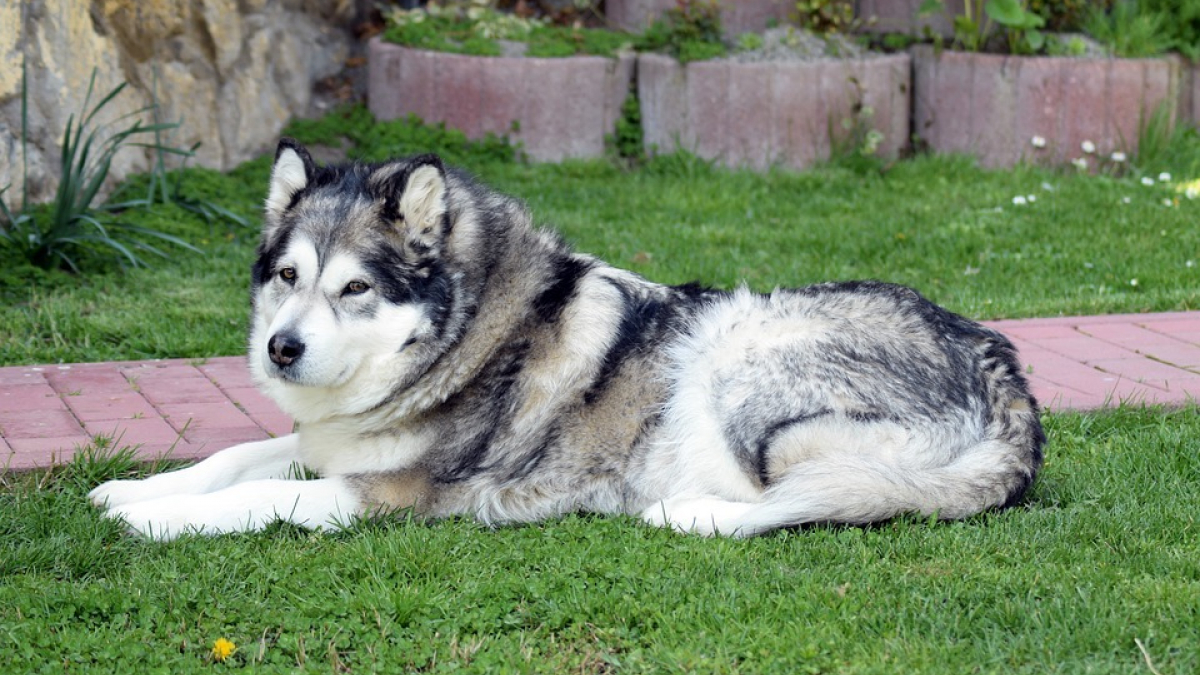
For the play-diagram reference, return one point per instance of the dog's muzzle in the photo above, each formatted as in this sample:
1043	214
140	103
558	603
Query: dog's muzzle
285	349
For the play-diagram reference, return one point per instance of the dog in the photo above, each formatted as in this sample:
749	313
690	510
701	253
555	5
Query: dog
442	355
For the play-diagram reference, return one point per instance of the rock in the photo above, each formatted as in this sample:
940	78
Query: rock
233	71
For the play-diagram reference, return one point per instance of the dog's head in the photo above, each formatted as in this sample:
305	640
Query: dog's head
350	280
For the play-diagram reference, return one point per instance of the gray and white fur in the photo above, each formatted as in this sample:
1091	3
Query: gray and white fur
441	354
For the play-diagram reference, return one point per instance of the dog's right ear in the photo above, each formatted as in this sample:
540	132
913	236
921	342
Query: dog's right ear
292	172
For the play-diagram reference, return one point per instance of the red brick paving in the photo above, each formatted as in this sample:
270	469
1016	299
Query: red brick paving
1096	361
190	409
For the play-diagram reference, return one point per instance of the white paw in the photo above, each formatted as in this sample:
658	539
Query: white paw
162	519
120	492
706	516
245	507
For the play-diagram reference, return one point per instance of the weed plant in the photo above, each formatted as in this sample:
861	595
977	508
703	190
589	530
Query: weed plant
1129	31
1180	23
690	31
74	225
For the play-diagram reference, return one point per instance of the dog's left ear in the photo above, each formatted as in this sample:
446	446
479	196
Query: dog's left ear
419	194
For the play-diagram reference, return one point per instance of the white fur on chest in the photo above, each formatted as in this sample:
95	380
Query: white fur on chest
337	448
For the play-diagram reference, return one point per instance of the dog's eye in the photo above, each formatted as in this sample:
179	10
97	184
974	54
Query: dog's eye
355	288
288	274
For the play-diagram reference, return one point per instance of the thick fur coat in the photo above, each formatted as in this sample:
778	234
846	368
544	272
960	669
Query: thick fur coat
441	354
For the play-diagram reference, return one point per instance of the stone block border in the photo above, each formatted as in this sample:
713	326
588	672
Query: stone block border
992	106
762	114
557	108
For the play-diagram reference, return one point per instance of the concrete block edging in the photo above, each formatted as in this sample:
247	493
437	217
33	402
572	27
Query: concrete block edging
787	113
1038	109
1002	109
556	108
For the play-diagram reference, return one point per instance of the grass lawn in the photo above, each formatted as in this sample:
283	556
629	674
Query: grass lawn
1101	562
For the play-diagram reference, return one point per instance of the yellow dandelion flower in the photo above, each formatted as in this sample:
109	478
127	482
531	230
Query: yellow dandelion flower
223	649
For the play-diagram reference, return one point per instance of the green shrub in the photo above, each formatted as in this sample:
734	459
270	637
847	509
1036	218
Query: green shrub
826	16
1180	23
691	31
1064	16
1130	30
476	30
373	140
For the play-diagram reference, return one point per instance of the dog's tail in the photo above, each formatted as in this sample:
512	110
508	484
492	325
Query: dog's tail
858	489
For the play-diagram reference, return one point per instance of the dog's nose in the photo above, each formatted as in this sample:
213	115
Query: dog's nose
285	348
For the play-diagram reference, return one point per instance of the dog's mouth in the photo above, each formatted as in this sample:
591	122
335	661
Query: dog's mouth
297	377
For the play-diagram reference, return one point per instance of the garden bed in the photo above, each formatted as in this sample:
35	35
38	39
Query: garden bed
556	108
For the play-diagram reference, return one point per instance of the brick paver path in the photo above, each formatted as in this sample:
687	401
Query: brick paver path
193	408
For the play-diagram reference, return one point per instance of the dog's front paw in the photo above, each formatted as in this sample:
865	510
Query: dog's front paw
159	519
120	492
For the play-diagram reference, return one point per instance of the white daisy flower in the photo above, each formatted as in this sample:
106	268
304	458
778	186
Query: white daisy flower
1118	157
1038	142
1088	147
1019	201
1164	177
1147	181
1080	163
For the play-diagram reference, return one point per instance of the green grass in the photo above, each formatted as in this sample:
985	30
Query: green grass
1103	556
939	224
1105	552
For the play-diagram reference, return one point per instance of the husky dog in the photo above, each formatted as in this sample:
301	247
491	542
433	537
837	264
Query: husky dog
440	354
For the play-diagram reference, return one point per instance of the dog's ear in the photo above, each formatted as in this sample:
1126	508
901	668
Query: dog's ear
292	172
417	203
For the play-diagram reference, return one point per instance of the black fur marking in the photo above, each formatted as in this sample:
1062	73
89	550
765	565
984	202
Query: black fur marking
268	255
482	405
763	447
565	277
867	416
645	322
1019	491
640	317
527	464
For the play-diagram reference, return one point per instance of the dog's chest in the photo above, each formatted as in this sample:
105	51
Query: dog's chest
341	448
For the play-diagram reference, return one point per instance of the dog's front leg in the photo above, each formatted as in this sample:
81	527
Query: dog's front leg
272	458
245	507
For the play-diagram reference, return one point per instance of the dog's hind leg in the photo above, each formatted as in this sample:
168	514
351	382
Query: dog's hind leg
858	489
699	515
272	458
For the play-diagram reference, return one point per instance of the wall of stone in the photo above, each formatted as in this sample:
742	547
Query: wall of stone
233	71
